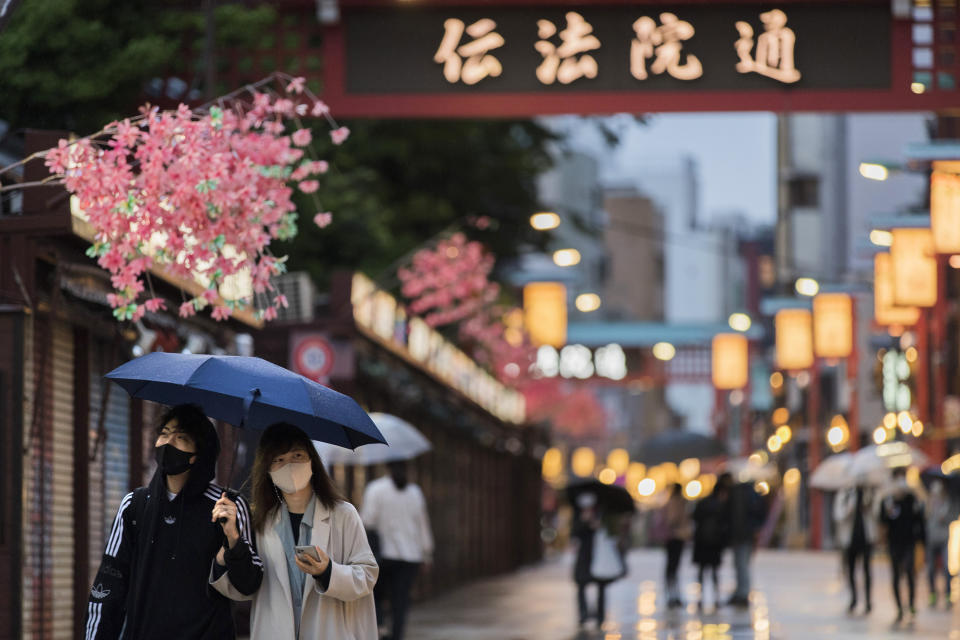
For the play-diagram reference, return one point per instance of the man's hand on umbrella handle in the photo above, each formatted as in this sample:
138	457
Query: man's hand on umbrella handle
225	512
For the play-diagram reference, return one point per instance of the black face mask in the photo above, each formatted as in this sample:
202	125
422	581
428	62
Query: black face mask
173	461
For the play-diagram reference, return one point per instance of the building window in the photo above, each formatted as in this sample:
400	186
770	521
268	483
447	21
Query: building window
805	191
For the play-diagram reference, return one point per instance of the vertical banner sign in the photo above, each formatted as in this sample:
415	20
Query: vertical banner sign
914	268
794	336
945	206
885	311
730	361
832	325
545	313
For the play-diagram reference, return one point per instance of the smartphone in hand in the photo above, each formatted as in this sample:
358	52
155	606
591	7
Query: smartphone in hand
307	551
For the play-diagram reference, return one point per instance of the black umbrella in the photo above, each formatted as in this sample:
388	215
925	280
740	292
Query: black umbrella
951	481
675	445
611	498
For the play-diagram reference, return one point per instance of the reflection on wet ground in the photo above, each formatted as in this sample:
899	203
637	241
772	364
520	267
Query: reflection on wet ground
796	595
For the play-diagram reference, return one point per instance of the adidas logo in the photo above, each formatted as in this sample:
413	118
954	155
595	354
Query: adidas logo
99	592
169	519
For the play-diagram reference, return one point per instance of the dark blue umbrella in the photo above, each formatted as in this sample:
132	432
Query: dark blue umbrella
250	393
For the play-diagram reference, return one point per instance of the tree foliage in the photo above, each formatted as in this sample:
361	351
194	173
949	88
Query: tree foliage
79	64
397	184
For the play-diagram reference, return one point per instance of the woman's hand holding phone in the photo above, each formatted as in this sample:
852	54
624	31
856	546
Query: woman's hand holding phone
312	560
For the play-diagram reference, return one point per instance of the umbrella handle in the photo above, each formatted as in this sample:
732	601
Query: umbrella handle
231	495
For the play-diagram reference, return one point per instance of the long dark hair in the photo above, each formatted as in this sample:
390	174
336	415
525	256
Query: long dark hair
277	440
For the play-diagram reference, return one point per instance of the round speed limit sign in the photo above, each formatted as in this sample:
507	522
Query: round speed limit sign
313	357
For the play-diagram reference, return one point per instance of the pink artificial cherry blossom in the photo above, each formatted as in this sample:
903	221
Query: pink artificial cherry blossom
199	194
296	85
301	137
339	135
323	219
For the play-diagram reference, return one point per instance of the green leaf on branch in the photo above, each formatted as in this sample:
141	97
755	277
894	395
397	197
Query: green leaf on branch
206	186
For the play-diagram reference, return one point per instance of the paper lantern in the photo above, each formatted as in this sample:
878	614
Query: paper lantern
619	461
832	325
552	463
794	328
914	268
545	313
885	312
730	361
945	207
583	461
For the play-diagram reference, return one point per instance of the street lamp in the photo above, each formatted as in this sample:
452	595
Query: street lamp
881	238
587	302
807	287
566	257
740	322
664	351
544	221
874	171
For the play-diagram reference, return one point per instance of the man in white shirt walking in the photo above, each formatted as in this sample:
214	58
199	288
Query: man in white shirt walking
396	511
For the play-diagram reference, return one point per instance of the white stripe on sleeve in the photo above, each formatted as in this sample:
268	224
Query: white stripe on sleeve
93	619
116	533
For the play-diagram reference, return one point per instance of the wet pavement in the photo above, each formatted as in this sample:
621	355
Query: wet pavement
796	595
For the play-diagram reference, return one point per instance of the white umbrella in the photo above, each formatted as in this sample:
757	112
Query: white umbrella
745	470
874	462
833	473
403	443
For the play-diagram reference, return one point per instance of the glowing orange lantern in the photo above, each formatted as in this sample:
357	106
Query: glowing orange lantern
945	206
545	313
794	328
730	361
885	312
832	325
914	268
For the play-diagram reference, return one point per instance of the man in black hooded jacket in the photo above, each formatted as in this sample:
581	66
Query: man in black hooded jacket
153	579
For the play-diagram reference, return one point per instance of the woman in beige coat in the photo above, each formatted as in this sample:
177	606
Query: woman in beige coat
295	504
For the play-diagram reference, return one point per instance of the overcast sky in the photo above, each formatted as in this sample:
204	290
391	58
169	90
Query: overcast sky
735	154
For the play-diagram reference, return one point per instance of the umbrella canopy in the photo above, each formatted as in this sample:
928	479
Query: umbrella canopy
405	443
874	462
934	472
611	498
675	445
248	392
834	473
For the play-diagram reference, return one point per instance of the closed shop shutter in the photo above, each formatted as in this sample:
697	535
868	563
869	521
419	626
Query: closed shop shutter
98	510
116	450
61	538
31	512
48	487
109	471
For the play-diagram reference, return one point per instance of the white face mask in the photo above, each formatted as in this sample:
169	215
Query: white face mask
292	476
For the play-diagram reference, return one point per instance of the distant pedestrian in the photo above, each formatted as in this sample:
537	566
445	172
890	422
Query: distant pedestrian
711	535
856	527
746	513
940	513
599	557
676	528
396	510
902	513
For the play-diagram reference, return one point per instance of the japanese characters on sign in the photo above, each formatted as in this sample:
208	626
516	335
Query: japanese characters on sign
432	58
479	63
656	49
